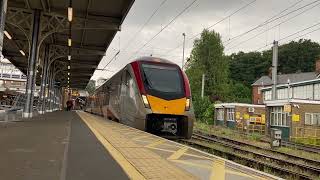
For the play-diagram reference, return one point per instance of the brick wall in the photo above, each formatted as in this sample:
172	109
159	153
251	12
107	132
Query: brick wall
318	66
299	128
256	95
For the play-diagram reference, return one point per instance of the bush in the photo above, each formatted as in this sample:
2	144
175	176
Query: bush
203	109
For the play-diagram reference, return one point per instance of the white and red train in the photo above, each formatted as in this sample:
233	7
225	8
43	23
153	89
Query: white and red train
150	94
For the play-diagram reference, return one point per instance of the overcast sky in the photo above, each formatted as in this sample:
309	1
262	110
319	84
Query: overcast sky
203	14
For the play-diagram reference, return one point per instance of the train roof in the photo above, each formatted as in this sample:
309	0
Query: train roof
153	59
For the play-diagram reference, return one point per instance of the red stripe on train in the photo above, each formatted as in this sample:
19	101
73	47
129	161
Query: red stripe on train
186	85
136	69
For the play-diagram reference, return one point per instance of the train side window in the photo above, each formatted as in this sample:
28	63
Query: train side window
128	78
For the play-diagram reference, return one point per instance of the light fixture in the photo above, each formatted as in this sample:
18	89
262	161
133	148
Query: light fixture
68	74
187	108
69	57
69	67
69	42
68	82
145	101
22	52
68	78
7	34
70	13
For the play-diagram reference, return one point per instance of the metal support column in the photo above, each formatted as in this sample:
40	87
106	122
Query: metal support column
54	98
44	80
50	91
274	70
3	11
28	108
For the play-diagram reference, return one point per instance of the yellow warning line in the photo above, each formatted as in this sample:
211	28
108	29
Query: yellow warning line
129	169
218	171
140	137
191	164
154	144
185	154
178	154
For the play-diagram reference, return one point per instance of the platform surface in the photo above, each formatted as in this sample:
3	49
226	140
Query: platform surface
77	146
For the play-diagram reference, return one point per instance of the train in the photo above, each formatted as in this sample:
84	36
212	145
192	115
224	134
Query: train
151	94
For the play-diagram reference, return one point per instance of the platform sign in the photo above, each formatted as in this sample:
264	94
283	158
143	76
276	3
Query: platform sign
246	116
238	115
263	119
295	117
287	108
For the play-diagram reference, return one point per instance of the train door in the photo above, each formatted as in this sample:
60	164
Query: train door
128	107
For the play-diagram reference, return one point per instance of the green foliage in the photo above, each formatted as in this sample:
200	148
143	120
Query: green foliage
203	109
293	57
247	67
91	87
207	58
239	92
229	78
298	56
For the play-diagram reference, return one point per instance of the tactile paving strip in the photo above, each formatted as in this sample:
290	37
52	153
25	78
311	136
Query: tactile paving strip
148	163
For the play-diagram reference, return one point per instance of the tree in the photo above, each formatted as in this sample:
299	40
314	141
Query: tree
91	87
247	67
298	56
207	57
293	57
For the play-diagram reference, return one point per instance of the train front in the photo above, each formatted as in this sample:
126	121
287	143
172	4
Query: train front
167	96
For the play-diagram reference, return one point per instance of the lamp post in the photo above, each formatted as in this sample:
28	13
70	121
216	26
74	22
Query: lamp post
184	40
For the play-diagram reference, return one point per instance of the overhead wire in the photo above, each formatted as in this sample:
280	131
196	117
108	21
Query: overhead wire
295	33
218	22
163	28
244	41
272	19
144	25
138	32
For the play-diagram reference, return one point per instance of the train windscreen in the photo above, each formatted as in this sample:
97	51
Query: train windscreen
163	81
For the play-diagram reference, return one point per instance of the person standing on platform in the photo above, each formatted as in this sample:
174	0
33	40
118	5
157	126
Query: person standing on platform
69	105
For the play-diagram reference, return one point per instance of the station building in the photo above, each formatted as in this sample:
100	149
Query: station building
243	117
296	109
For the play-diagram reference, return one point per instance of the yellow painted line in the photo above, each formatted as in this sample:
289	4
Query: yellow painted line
210	168
191	164
242	174
218	171
154	144
185	154
129	169
140	137
176	155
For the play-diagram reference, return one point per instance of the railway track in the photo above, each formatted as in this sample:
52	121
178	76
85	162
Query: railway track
279	163
308	148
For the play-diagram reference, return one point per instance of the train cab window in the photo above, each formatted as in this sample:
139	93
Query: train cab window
163	81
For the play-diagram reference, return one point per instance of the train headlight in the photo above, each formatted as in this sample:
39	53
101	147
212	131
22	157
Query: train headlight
145	101
187	104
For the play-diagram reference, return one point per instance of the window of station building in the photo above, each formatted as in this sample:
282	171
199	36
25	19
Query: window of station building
230	114
278	117
317	91
220	114
267	95
303	92
282	93
312	119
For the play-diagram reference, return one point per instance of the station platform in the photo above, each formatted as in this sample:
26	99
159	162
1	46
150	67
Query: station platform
77	146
